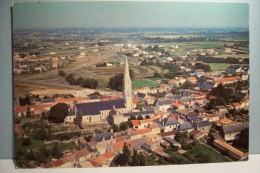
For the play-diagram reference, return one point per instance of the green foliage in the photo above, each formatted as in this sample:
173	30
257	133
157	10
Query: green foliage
244	138
58	113
62	73
187	85
205	67
132	117
56	151
147	116
140	117
116	82
71	79
140	105
26	141
28	113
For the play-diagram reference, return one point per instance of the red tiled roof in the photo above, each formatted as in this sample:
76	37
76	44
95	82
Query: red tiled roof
18	109
81	153
227	79
154	126
236	104
177	104
59	100
135	100
135	122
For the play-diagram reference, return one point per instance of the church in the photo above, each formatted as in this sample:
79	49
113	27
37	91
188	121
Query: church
98	111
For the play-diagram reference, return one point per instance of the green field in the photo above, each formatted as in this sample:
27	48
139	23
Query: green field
218	66
140	83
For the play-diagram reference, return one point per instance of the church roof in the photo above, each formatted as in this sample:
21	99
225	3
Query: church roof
94	108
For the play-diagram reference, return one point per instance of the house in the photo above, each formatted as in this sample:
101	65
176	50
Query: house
115	118
141	124
178	105
192	80
196	134
163	88
230	150
221	109
227	80
98	111
150	113
168	124
164	105
55	164
203	126
80	142
172	142
232	132
155	128
233	69
103	160
204	84
69	161
236	105
101	141
212	117
185	127
82	155
154	137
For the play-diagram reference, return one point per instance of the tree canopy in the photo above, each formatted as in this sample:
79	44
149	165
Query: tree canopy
58	113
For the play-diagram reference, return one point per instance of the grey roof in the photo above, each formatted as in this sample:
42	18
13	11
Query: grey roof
141	95
185	126
203	124
94	108
170	140
139	113
168	122
235	127
48	100
100	136
165	102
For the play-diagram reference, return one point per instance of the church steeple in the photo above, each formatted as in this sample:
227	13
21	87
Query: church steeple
128	88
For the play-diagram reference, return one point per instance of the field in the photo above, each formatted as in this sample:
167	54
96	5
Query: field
218	66
140	83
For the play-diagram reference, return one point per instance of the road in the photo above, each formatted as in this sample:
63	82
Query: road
84	65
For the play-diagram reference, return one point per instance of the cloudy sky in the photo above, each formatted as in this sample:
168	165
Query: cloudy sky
34	15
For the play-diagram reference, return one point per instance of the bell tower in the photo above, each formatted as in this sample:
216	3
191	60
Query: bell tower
128	88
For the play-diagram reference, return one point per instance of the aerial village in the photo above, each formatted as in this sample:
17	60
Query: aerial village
145	126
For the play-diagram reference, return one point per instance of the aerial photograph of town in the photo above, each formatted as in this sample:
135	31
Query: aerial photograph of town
122	84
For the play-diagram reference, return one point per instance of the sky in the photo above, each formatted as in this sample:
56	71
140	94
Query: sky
44	15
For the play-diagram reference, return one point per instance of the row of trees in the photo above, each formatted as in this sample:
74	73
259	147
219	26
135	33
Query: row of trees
137	159
84	82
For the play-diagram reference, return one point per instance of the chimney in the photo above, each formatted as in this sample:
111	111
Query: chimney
94	134
114	107
111	130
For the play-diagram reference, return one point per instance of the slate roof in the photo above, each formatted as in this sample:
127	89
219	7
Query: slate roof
185	126
168	122
94	108
165	102
141	95
100	136
47	100
138	113
203	124
235	127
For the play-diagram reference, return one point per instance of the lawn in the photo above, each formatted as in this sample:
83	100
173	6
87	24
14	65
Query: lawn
218	66
34	144
140	83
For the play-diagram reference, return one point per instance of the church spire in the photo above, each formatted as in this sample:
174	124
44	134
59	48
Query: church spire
128	88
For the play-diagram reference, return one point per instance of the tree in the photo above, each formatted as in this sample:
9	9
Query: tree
56	151
140	105
79	81
135	158
124	126
181	135
187	85
26	142
70	78
115	128
244	138
58	113
116	82
147	116
132	117
126	152
28	113
140	117
62	73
